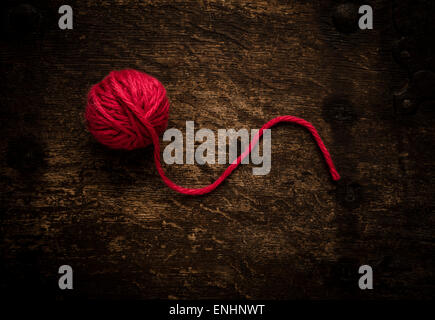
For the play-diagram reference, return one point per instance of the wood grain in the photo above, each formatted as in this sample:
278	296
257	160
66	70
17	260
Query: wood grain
225	64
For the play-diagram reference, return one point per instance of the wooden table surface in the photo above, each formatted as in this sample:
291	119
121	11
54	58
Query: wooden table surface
293	233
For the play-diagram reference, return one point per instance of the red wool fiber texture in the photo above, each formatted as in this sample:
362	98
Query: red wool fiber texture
129	109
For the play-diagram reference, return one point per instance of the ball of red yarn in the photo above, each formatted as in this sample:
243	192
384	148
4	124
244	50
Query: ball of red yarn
123	106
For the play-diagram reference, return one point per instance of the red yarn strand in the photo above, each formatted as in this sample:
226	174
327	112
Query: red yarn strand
235	164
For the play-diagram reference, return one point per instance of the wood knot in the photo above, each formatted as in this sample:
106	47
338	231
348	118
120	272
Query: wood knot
23	19
417	91
345	17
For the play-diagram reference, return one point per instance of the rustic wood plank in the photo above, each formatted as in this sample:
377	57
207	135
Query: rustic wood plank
225	64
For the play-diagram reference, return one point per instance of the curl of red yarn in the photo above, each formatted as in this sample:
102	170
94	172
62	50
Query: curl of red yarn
129	109
120	108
